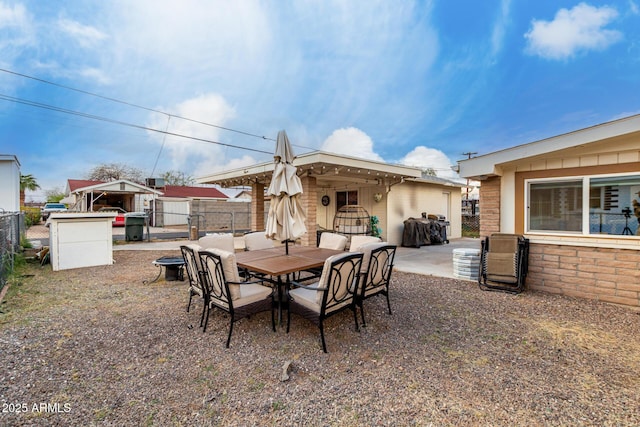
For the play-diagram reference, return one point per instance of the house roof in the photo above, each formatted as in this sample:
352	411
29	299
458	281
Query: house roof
74	184
117	186
10	158
194	192
324	166
610	134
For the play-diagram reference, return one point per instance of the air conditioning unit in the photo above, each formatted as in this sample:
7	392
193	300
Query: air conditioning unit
154	182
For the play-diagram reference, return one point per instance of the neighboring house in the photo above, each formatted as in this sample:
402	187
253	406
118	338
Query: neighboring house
166	205
576	197
89	196
10	179
393	193
243	195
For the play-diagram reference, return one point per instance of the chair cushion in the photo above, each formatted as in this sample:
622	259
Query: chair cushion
307	297
222	241
257	240
193	269
251	293
504	243
501	264
230	268
358	241
366	250
333	241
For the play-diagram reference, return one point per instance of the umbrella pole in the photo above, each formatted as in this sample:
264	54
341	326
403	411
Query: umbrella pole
286	246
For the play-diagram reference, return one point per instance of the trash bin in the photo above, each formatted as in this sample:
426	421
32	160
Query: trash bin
134	226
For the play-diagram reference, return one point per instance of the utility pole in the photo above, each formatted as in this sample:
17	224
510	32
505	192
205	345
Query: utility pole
469	154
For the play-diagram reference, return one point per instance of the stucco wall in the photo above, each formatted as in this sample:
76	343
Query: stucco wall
325	214
406	200
410	199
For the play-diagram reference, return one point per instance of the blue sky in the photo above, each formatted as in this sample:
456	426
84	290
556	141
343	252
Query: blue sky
416	83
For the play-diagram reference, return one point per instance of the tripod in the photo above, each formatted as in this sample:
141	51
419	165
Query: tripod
627	213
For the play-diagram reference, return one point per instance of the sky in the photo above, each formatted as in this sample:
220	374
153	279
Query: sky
204	86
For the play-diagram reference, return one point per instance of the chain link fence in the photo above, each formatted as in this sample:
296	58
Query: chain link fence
470	225
11	225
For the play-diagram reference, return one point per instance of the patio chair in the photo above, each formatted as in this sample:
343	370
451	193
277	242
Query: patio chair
333	293
376	271
257	240
328	240
194	274
503	262
333	241
222	241
357	241
224	290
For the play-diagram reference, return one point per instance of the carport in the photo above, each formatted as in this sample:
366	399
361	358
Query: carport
90	196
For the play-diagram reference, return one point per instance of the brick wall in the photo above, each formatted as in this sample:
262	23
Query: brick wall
309	203
490	206
257	207
603	274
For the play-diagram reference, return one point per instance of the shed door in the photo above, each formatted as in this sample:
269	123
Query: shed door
446	205
175	213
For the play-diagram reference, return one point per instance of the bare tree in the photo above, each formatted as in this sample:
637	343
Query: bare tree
115	171
177	178
429	172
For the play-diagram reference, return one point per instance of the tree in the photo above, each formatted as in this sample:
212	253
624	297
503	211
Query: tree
429	172
27	182
177	178
115	171
54	195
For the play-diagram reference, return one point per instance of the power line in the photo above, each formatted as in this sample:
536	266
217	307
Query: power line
119	122
132	104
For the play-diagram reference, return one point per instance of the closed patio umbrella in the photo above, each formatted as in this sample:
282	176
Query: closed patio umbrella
286	217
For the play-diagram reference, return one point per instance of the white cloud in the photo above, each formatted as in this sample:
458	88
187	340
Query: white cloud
633	7
351	142
425	158
84	35
94	74
15	17
17	31
208	167
500	28
185	154
572	31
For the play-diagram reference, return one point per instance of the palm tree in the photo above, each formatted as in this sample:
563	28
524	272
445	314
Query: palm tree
27	182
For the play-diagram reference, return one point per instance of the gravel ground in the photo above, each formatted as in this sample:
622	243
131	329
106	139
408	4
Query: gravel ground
96	346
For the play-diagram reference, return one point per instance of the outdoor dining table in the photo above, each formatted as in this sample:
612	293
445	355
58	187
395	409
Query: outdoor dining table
275	263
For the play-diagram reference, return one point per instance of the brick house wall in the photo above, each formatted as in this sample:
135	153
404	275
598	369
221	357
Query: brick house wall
603	274
490	202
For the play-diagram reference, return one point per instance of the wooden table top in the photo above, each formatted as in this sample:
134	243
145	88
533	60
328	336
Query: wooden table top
275	262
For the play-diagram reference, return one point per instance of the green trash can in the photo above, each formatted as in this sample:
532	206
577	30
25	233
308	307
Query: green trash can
134	226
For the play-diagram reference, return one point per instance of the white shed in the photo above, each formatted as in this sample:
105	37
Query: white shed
80	239
10	179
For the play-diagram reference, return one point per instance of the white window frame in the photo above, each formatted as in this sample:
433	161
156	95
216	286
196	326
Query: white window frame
586	180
